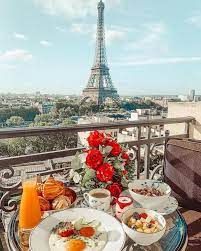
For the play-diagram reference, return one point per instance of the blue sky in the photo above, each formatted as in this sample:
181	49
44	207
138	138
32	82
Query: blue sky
153	46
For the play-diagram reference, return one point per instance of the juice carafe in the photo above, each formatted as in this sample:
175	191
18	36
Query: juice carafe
30	213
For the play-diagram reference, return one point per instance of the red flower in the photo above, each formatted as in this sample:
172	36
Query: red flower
94	158
105	172
116	148
115	189
125	156
95	139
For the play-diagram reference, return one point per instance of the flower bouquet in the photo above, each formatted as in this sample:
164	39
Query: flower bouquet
105	164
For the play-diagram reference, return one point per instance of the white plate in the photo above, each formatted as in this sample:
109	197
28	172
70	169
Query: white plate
165	208
39	238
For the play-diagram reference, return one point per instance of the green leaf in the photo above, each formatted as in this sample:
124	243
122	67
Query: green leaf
108	149
76	163
100	148
89	175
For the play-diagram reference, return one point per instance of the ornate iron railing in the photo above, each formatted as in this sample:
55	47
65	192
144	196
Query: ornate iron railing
147	151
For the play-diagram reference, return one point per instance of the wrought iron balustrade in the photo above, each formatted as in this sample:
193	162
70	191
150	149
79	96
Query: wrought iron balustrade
147	149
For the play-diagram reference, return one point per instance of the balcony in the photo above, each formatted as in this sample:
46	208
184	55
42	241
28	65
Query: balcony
146	145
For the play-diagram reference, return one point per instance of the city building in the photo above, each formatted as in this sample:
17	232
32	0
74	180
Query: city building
184	109
45	107
161	101
143	111
192	95
183	98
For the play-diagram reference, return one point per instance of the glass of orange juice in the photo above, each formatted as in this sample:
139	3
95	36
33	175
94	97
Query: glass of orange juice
29	213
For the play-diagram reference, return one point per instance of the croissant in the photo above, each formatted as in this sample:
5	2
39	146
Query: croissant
52	189
70	194
61	202
44	204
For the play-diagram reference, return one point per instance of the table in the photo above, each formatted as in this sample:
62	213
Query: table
175	238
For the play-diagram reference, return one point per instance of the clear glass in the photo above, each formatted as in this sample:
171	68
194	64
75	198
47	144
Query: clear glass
30	213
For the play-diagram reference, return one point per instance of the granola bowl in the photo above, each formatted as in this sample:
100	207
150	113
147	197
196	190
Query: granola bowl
149	193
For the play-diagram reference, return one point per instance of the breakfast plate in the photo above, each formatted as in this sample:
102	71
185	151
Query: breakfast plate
165	208
110	234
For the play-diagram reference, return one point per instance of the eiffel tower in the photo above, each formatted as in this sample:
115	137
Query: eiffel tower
100	84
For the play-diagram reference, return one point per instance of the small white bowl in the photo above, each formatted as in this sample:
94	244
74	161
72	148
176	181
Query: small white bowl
149	201
144	239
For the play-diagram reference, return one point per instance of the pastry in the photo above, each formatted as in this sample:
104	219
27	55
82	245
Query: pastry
52	189
44	204
61	202
71	194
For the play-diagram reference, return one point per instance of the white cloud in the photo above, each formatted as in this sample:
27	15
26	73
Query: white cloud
61	29
45	43
195	20
152	41
20	36
113	33
16	55
116	33
73	8
158	61
84	29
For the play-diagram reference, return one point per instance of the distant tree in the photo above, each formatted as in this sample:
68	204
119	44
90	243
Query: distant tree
48	142
44	120
54	113
52	143
94	107
67	122
122	110
15	121
38	144
17	146
27	113
3	149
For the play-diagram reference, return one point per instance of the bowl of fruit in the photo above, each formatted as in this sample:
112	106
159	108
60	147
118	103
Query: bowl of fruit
149	193
143	226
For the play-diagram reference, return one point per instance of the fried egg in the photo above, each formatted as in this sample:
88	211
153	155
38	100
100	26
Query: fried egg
96	242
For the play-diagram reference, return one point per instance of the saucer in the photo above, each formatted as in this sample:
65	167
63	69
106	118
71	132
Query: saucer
165	208
110	211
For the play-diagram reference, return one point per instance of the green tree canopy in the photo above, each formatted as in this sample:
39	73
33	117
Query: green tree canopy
15	121
67	122
27	113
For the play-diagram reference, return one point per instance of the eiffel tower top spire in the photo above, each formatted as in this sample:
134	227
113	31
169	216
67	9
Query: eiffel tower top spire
100	54
100	85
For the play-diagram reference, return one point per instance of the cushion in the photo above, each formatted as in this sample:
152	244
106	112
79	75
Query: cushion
183	171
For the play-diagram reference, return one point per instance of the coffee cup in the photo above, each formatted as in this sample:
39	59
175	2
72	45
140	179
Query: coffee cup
98	199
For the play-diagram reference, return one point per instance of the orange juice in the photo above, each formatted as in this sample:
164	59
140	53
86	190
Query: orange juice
30	213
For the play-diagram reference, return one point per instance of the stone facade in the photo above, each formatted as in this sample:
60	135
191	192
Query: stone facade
184	109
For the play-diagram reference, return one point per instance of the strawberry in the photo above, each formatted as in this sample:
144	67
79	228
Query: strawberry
143	215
